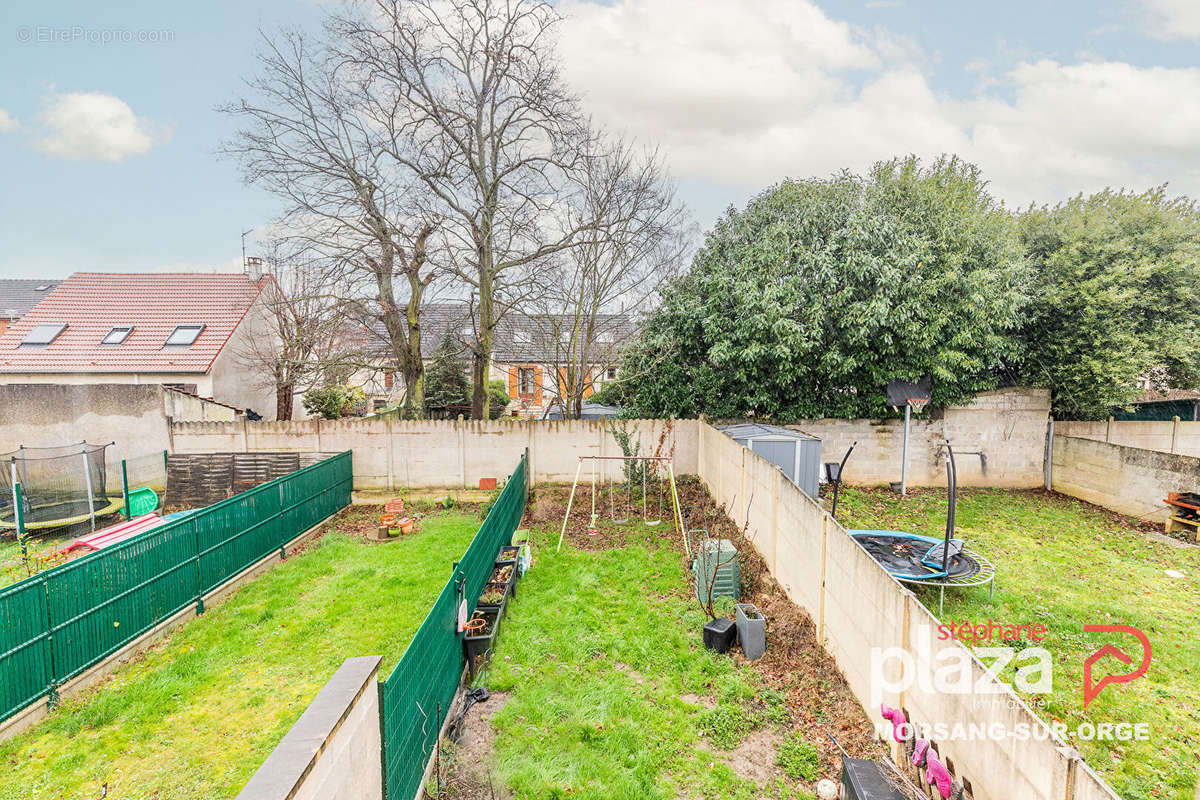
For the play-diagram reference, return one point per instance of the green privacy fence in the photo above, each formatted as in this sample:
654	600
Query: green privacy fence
56	624
430	669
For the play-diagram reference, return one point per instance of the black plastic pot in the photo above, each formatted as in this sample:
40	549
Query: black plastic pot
478	645
508	553
719	635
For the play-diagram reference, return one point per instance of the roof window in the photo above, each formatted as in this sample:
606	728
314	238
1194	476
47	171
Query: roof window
44	333
117	335
184	336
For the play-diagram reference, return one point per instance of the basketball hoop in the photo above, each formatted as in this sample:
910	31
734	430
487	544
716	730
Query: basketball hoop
917	404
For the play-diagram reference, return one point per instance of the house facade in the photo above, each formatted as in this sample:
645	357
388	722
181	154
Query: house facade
530	355
187	331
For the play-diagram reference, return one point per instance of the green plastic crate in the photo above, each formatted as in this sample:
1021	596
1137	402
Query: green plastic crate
721	556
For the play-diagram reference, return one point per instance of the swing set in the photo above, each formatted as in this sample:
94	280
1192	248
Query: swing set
620	513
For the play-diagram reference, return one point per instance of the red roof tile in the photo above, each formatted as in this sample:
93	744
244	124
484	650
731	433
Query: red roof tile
92	303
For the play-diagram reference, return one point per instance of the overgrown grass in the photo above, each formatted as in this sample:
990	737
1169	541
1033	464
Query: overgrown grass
1064	564
195	716
612	693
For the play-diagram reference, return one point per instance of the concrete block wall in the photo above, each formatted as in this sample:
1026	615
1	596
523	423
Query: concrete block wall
1008	426
1177	437
1128	480
858	608
333	750
389	454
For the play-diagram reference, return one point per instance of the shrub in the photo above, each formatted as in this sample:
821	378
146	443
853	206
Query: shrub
333	401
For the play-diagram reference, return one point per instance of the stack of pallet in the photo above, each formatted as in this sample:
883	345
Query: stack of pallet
1185	513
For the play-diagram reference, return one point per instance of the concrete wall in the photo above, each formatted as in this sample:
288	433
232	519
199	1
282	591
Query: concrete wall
1127	480
41	415
1008	426
1181	438
389	454
333	750
858	608
133	416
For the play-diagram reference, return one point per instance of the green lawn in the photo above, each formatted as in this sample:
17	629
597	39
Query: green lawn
196	715
1064	564
610	693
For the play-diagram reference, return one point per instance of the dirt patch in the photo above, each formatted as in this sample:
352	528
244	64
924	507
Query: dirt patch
615	511
469	762
754	758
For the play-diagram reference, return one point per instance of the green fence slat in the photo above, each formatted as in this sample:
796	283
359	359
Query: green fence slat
429	670
58	623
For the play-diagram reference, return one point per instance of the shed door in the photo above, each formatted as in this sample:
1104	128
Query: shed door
781	454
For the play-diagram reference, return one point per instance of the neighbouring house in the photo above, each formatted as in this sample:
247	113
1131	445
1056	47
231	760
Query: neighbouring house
529	354
18	296
186	331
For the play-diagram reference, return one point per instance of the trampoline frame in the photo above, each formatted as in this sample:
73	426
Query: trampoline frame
115	504
986	573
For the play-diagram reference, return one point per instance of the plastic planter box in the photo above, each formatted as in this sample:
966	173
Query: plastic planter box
478	645
511	580
499	607
751	630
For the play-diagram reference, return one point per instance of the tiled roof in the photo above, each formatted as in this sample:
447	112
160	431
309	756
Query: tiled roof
1153	396
92	303
18	296
518	339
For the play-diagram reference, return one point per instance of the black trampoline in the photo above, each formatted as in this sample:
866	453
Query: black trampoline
924	560
59	486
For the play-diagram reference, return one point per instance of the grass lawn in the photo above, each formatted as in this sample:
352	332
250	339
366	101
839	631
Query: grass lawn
1064	564
196	715
602	689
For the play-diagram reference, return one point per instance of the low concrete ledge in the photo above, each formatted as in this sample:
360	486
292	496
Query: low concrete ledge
333	750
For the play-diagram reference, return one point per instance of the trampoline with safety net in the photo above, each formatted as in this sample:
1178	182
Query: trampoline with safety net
44	488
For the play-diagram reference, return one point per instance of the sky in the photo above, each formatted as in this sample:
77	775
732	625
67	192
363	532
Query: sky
110	129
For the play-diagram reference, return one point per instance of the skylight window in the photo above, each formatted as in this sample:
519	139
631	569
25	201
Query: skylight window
117	335
184	336
44	333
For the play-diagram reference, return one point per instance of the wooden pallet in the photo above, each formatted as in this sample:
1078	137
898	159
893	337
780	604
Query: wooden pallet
1192	526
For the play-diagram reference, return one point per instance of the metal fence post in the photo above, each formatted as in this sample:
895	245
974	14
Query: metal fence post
125	488
19	520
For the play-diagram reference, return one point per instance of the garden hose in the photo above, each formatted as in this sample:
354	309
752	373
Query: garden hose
455	730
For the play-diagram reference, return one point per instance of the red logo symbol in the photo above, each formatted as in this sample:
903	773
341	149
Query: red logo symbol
1090	691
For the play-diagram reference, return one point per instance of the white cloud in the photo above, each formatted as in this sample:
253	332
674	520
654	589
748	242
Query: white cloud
743	93
94	126
7	123
1173	19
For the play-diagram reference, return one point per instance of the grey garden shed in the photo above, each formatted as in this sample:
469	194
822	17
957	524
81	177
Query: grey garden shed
797	454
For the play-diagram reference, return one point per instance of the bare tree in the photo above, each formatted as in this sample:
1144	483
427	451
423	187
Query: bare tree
300	333
602	282
305	140
471	98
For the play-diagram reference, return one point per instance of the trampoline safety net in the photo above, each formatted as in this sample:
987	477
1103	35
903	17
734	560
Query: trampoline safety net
60	486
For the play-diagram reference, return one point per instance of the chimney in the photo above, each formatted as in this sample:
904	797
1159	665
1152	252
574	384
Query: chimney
254	269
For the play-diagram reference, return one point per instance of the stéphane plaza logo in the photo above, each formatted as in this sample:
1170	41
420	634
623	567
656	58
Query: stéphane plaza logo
999	653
